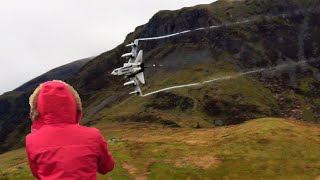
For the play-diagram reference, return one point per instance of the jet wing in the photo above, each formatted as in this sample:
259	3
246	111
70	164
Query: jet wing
140	77
134	55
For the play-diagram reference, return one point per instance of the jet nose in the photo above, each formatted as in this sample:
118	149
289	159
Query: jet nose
113	72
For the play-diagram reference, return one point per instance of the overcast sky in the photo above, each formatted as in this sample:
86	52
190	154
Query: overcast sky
39	35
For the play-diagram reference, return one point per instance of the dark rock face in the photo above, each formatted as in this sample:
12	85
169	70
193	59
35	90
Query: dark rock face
166	22
4	107
148	118
169	101
232	112
14	118
178	59
312	38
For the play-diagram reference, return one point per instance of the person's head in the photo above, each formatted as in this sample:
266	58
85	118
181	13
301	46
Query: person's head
55	102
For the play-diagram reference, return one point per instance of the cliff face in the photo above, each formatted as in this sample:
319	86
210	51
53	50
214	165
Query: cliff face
269	33
250	35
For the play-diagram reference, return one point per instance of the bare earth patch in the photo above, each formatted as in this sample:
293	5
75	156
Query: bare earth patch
143	177
264	141
203	162
133	172
131	169
195	142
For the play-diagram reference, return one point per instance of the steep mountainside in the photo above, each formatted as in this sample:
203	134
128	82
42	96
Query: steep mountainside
14	105
250	34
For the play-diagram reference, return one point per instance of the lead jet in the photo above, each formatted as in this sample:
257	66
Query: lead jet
133	69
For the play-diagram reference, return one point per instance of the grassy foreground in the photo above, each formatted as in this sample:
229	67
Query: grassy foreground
258	149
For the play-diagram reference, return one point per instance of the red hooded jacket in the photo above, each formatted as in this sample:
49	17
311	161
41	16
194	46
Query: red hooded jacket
58	147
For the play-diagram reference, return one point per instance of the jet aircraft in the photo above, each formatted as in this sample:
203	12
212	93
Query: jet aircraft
133	69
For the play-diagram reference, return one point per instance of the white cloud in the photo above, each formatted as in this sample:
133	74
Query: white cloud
38	35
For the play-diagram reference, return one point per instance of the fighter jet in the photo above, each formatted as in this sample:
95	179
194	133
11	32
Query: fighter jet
133	69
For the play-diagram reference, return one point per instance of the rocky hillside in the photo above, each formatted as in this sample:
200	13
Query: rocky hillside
250	34
274	33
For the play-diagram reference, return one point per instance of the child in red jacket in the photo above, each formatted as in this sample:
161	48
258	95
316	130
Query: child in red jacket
58	147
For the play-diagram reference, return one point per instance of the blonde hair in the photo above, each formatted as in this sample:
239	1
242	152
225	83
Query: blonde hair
34	97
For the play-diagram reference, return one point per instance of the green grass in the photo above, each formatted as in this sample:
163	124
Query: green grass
258	149
13	165
305	84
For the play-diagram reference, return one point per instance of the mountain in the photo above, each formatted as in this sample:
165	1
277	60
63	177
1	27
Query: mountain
14	105
265	55
282	36
244	36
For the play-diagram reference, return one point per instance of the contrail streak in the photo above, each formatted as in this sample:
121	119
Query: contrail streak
231	77
188	31
284	15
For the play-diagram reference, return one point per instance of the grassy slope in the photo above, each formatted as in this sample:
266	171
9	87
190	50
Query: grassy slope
263	148
235	93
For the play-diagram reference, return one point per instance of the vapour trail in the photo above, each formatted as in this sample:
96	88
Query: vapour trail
198	29
232	77
284	15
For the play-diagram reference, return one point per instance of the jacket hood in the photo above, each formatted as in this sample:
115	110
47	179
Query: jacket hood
56	105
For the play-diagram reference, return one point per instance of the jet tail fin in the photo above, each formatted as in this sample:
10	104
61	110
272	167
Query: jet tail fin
140	77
